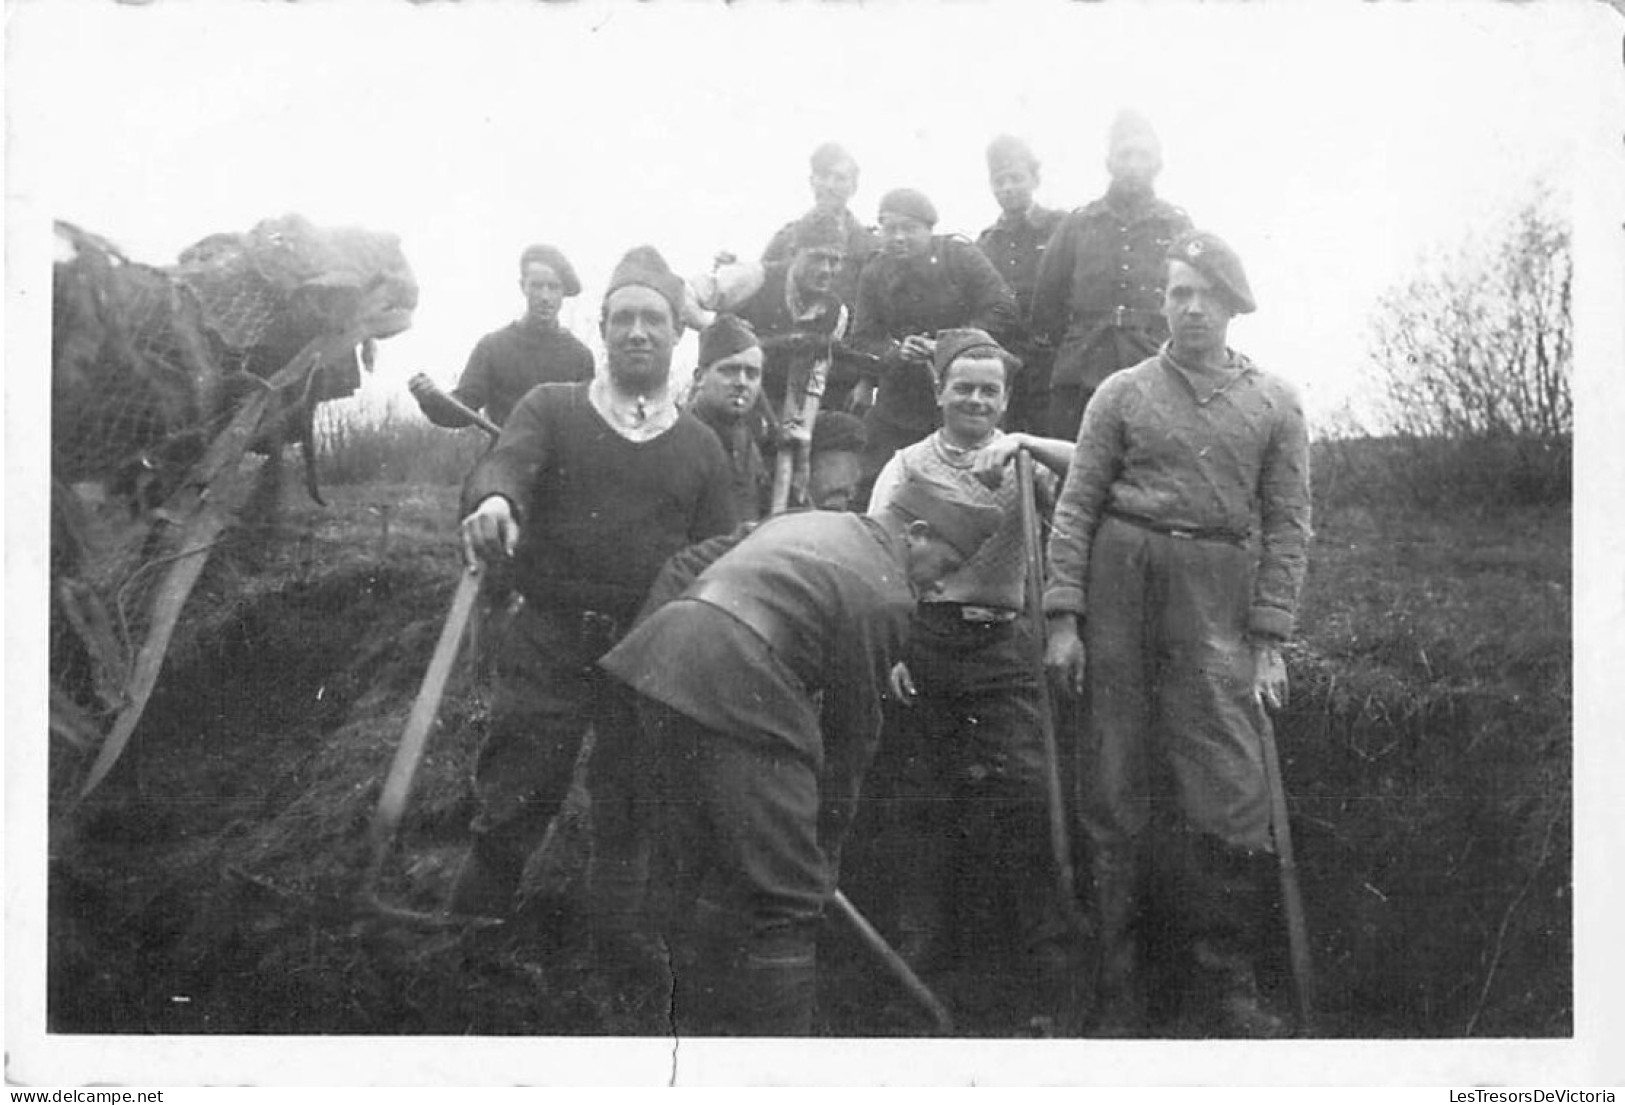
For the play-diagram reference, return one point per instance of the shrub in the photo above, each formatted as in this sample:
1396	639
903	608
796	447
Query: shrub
358	443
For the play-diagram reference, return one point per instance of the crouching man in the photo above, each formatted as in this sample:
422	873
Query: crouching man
764	677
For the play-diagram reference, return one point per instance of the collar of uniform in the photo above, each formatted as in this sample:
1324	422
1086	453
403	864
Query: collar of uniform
1206	386
634	417
1032	218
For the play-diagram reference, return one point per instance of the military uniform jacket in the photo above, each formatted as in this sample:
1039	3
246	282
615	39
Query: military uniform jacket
861	244
788	637
1103	274
954	285
1016	245
783	359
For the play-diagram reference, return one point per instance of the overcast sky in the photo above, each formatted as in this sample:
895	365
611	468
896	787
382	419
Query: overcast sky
1331	145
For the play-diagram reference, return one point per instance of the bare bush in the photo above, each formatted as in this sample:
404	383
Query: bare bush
1479	342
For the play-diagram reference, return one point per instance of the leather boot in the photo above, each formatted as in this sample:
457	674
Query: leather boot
777	991
1235	898
1119	989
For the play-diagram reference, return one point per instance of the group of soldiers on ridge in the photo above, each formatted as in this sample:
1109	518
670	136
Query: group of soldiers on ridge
804	576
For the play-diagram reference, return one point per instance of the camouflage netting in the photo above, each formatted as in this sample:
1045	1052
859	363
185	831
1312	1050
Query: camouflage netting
149	366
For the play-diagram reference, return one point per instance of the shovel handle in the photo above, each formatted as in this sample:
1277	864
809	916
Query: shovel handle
392	802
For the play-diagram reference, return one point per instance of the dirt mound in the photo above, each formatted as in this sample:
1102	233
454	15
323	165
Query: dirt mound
210	885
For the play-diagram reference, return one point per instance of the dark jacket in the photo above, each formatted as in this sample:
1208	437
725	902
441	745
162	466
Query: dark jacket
506	364
861	244
954	285
1103	273
599	514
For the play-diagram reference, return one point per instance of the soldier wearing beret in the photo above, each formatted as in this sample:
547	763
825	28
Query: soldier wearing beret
834	181
1098	293
509	362
1015	244
921	282
727	385
760	692
589	490
1176	560
961	775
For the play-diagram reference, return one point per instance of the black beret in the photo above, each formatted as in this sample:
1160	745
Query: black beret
553	258
1209	255
644	265
910	202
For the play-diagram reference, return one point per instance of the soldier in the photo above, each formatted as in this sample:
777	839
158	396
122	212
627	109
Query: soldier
1015	244
836	468
760	689
507	363
962	771
1099	289
727	386
922	283
834	182
589	490
1176	561
798	313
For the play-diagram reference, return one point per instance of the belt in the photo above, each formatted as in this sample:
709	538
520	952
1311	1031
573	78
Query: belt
967	612
1184	533
768	624
1132	318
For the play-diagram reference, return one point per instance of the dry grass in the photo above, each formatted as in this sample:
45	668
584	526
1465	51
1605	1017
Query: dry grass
1427	747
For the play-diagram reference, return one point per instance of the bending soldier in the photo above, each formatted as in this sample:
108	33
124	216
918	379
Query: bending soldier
760	689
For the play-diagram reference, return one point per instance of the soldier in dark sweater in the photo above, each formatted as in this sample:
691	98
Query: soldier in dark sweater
589	490
534	350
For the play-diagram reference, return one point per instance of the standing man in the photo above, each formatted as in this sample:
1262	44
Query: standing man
1015	244
589	489
727	386
1099	289
760	694
834	181
507	363
963	762
1176	562
921	283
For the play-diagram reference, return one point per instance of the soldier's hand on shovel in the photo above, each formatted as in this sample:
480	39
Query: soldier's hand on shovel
1269	676
902	684
490	534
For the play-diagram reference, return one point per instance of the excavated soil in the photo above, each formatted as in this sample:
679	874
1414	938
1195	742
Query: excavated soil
210	885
